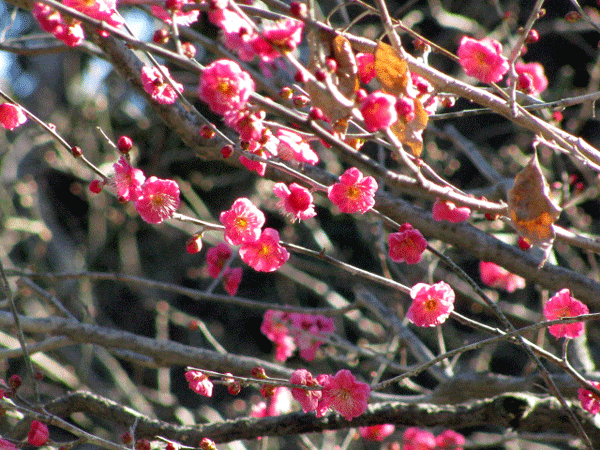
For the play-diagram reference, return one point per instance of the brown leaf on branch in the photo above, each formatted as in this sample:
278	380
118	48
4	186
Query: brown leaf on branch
392	71
411	133
530	207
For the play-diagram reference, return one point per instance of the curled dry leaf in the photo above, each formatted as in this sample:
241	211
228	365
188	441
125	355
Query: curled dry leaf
530	207
392	70
411	133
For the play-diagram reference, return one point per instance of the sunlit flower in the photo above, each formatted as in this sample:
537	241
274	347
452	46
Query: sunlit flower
105	10
498	277
446	210
296	200
416	439
11	116
156	85
589	401
345	395
185	18
532	78
309	400
432	304
70	32
562	304
199	382
449	440
376	432
379	111
292	146
266	254
366	67
158	200
353	193
129	181
408	244
309	331
482	59
284	34
225	86
243	222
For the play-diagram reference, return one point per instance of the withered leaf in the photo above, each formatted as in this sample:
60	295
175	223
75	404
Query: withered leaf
347	68
411	133
392	71
530	207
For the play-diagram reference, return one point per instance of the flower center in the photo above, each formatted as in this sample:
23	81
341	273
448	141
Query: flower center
241	222
353	192
430	304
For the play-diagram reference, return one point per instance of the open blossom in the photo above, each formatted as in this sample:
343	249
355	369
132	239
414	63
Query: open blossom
68	31
309	331
432	304
158	200
376	432
232	279
11	116
296	200
266	254
589	401
225	86
284	34
216	257
38	433
416	439
353	193
243	222
345	395
562	304
445	210
309	400
105	10
498	277
129	181
292	146
265	148
199	382
408	244
185	18
238	34
449	440
249	124
158	87
274	326
532	78
378	111
366	67
482	59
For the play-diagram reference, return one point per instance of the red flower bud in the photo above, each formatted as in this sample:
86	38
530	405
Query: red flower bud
38	434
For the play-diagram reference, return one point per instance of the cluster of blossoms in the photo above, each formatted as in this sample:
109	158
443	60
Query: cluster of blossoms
407	245
340	392
291	331
216	257
161	90
498	277
416	439
11	116
260	249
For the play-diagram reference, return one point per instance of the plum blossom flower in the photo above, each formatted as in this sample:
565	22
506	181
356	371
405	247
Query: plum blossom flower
11	116
129	181
105	10
432	304
7	445
158	87
309	331
70	32
232	279
589	401
225	86
562	304
199	382
345	395
482	59
366	67
266	254
216	257
284	34
449	440
274	326
408	244
532	78
249	124
376	432
184	18
292	146
243	222
379	111
265	148
498	277
416	439
38	433
353	193
280	402
296	200
158	200
309	400
446	210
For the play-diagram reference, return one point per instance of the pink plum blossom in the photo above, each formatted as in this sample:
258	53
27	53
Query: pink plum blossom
105	10
416	439
562	304
232	279
309	331
309	400
408	244
274	326
158	200
366	67
432	304
376	432
243	222
498	277
280	402
70	32
353	193
292	146
11	116
129	181
216	257
185	18
249	124
345	395
532	78
482	59
199	382
296	200
284	34
379	111
156	85
38	433
7	445
265	148
225	86
266	254
446	210
589	401
449	440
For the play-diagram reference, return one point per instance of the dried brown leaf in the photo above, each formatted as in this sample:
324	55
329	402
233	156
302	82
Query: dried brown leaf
392	71
530	207
411	133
